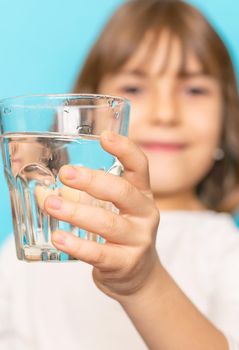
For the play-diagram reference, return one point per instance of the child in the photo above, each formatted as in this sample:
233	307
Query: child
167	59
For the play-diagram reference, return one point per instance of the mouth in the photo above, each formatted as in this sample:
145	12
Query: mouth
160	146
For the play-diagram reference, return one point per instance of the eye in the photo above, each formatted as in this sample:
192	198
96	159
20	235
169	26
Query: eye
196	91
131	89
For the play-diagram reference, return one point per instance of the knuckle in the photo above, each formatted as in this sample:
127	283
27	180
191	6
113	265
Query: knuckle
76	248
73	212
126	191
90	178
99	258
146	242
111	222
155	215
152	216
148	232
126	146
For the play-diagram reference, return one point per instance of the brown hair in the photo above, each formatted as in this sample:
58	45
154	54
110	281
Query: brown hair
123	35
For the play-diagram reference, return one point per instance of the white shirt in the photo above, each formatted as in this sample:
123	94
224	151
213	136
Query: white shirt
47	306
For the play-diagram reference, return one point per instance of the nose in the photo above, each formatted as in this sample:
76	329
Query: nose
164	106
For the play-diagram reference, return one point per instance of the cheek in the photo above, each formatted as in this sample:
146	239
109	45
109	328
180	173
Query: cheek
138	118
205	122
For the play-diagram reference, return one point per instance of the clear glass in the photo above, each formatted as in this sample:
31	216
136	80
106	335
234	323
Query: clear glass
39	134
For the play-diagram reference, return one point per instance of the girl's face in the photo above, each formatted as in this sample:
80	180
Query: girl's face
175	119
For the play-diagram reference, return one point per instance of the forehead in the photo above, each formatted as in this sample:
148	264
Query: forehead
161	54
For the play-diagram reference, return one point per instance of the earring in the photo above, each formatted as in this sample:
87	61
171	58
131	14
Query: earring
218	154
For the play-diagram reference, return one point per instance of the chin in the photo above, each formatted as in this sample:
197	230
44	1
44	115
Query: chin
163	193
168	186
165	190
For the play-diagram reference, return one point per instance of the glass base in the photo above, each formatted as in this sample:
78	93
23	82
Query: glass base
44	254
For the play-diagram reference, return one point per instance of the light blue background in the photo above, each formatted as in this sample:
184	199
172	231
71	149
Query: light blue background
43	44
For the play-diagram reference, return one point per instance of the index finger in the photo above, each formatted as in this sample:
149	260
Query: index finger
135	162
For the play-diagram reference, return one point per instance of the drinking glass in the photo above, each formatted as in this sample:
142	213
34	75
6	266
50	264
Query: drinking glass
41	133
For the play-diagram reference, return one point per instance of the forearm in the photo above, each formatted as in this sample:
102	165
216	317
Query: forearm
167	320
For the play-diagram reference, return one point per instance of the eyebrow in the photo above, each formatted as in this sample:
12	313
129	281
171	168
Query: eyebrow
136	72
193	74
184	74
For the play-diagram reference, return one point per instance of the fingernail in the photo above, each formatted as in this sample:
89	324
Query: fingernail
54	202
110	136
59	238
69	172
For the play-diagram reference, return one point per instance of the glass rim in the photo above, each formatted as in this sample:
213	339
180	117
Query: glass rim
61	96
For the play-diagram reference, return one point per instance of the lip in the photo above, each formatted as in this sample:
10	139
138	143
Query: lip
161	146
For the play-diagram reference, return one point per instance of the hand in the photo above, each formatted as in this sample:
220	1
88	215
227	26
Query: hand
124	264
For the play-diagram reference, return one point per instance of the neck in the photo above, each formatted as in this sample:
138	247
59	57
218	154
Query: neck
179	201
